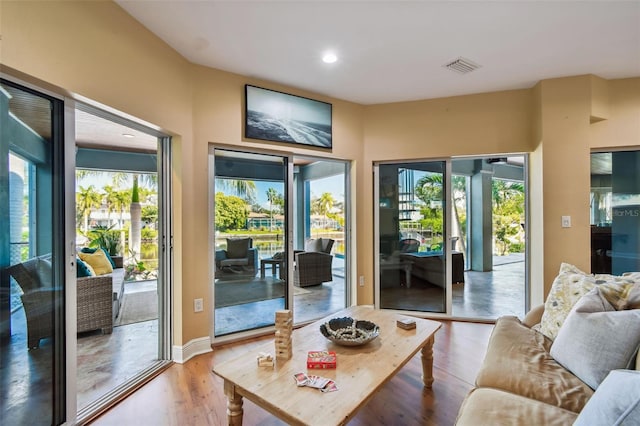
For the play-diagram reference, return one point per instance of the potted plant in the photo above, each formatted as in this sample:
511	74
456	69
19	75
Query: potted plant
109	240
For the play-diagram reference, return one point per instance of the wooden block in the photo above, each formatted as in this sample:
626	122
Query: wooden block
284	314
265	360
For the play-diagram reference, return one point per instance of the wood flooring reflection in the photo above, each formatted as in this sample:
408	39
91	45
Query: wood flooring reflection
191	394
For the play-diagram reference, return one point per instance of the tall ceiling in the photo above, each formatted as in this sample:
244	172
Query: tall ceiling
391	51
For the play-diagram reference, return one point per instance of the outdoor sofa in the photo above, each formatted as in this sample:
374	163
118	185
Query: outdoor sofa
98	298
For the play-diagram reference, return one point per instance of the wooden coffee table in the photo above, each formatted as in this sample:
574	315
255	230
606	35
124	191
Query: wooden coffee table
361	371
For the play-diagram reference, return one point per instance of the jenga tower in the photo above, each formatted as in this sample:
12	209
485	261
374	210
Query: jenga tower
284	327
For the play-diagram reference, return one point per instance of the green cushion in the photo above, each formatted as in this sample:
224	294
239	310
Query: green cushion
82	269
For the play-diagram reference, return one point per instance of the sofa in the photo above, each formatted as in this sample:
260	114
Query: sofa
559	365
429	266
98	298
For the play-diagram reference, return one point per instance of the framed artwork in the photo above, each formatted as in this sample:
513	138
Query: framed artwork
279	117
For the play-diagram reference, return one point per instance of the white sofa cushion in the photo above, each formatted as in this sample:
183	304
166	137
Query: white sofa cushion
596	338
616	402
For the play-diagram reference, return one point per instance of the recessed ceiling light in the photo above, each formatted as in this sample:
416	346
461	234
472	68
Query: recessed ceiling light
127	135
329	58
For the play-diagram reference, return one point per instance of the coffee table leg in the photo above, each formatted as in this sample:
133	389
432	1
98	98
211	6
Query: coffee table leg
234	404
427	363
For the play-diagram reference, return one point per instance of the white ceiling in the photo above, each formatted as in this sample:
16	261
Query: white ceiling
392	51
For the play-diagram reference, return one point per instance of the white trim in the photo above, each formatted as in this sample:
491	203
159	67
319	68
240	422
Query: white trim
182	354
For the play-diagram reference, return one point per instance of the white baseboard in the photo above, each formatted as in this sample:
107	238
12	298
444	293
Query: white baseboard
182	354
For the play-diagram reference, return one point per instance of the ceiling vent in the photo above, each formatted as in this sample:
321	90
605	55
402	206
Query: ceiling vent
462	65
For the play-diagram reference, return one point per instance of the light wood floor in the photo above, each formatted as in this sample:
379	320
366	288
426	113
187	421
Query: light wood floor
190	394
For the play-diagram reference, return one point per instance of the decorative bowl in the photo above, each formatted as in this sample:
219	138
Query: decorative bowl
347	331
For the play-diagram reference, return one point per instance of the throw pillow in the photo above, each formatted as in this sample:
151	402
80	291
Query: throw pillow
93	250
595	338
615	402
98	261
313	245
83	269
238	248
569	286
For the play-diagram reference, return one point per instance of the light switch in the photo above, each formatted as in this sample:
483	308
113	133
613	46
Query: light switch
566	221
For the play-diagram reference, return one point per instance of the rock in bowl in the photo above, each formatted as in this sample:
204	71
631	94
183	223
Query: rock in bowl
347	331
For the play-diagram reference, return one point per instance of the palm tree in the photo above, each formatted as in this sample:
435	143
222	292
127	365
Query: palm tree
272	196
120	203
324	204
86	200
502	190
241	187
110	199
429	188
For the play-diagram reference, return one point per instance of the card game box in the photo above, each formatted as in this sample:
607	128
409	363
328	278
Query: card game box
406	323
321	359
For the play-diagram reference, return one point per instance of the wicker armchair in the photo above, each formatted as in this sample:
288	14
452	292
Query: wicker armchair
95	301
240	258
313	266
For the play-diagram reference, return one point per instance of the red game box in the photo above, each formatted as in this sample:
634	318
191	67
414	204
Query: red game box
321	359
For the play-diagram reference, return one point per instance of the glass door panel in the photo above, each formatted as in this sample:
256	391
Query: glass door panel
615	212
250	219
319	211
488	236
412	243
121	209
31	259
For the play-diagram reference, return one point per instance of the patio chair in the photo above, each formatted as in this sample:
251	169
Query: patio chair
313	265
239	258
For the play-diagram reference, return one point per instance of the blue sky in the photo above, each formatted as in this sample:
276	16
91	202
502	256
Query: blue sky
332	184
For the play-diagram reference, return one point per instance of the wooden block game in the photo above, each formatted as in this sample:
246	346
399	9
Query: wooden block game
284	328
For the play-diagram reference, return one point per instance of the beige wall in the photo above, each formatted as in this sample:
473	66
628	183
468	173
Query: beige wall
96	50
565	115
622	128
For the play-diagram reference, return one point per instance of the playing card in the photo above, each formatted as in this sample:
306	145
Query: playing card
330	387
317	382
301	379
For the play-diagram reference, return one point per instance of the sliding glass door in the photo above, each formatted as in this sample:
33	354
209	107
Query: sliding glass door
250	239
451	236
280	238
412	245
32	258
122	195
489	225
